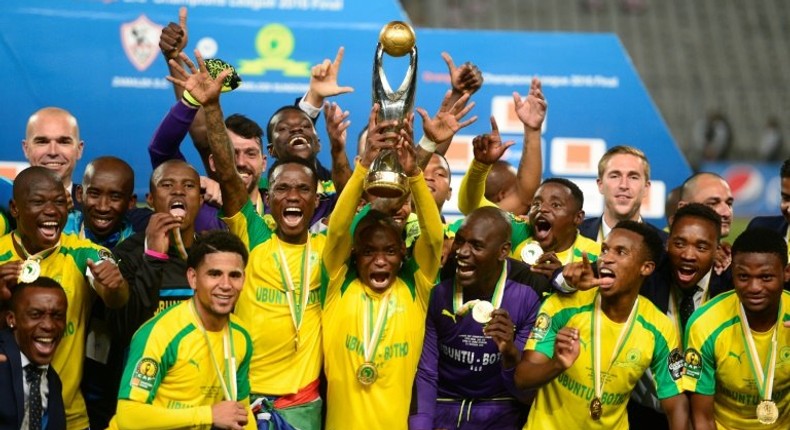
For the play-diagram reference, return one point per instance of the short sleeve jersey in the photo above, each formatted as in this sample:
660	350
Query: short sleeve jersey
170	365
385	403
281	364
718	363
68	265
651	343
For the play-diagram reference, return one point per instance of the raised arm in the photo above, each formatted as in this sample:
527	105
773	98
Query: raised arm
323	81
531	112
439	130
337	129
206	91
487	149
465	79
338	241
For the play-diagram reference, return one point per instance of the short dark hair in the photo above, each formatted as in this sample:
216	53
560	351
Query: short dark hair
784	171
576	192
270	124
244	127
294	160
215	241
698	210
653	244
446	165
375	219
761	241
40	282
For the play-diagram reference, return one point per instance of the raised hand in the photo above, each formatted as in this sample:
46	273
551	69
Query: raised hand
502	332
157	233
174	38
547	264
466	79
9	276
210	191
566	346
532	110
106	273
407	153
488	148
198	81
448	120
582	276
323	80
380	136
336	124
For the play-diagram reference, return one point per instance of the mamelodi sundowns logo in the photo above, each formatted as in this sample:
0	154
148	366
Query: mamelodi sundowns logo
274	44
140	40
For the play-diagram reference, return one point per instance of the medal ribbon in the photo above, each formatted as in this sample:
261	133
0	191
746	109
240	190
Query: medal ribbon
37	256
297	309
763	379
461	308
229	388
625	333
370	342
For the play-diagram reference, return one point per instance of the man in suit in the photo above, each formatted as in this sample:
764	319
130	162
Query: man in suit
36	324
778	223
624	181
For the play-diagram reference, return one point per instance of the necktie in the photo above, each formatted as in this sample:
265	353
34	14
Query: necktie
686	305
34	407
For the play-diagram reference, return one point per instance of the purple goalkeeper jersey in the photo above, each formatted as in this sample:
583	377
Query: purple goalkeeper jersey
458	361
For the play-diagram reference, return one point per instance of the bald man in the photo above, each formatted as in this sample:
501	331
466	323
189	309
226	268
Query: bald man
500	183
713	191
52	140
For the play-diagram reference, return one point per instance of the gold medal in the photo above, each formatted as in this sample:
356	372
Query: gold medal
31	270
367	374
481	312
596	408
767	412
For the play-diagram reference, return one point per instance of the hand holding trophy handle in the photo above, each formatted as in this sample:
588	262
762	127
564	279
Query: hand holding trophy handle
386	177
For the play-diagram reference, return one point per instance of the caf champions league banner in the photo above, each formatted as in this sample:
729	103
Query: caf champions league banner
100	60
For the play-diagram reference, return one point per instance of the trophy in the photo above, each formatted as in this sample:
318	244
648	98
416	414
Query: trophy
386	177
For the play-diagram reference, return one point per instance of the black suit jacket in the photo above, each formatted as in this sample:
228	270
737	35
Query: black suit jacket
657	286
12	394
777	223
590	227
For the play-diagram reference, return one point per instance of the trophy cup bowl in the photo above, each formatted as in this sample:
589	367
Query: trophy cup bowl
386	177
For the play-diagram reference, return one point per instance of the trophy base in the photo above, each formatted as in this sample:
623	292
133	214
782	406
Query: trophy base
386	184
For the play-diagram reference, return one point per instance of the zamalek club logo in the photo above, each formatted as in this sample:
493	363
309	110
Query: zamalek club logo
140	40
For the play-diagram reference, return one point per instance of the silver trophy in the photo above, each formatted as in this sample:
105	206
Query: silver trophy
386	177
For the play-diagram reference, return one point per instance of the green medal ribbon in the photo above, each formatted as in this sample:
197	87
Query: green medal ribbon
460	308
296	307
229	388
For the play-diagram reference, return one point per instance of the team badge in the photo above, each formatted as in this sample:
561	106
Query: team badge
541	327
145	373
693	363
106	255
675	364
140	40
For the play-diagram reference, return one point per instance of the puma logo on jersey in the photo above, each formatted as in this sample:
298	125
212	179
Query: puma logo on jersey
194	363
447	313
737	356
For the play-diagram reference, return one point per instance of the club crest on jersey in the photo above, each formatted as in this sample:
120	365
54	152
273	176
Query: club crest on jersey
675	364
541	327
140	41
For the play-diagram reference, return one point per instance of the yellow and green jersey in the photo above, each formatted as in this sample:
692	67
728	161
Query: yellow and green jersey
281	363
385	403
564	403
718	363
170	366
68	265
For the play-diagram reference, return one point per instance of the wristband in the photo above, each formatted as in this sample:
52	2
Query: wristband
156	254
190	100
427	144
561	285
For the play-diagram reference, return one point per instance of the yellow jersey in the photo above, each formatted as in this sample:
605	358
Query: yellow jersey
718	363
68	266
564	403
282	362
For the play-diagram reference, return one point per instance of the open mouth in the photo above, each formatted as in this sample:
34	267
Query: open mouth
379	279
298	142
607	277
102	222
224	299
464	269
542	229
49	229
44	345
292	216
178	209
54	165
686	274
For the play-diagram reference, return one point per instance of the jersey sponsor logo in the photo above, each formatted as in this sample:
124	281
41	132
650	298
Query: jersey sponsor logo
145	373
784	354
274	45
693	363
631	359
675	364
541	327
